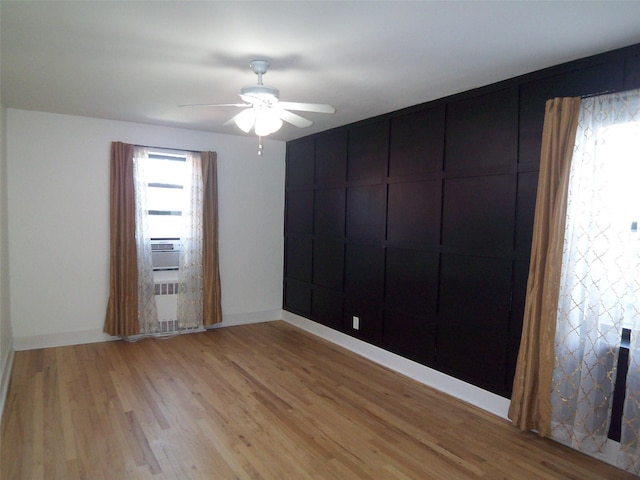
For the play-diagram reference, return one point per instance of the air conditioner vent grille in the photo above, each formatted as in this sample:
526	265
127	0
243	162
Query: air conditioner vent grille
162	246
168	288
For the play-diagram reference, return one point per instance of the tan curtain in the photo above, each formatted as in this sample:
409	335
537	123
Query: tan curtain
530	406
122	309
212	309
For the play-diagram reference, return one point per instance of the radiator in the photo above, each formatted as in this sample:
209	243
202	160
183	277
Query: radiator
166	288
167	306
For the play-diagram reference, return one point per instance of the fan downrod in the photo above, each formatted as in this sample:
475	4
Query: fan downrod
259	67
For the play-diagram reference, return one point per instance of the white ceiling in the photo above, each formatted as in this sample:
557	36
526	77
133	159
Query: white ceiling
137	61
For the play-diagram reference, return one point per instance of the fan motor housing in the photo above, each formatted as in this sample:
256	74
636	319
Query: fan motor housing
263	92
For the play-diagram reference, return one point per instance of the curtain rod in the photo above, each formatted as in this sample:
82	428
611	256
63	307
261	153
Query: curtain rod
607	92
597	94
168	148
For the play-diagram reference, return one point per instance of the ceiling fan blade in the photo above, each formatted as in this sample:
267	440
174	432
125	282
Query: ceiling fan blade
294	119
233	119
308	107
216	105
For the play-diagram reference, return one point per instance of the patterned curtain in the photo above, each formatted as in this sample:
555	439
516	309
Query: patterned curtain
600	280
147	312
190	276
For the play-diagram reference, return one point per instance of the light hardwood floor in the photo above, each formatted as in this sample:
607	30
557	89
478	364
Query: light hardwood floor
262	401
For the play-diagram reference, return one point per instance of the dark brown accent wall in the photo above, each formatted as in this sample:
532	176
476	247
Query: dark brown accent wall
419	222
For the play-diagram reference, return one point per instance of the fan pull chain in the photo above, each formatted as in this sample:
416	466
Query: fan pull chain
259	146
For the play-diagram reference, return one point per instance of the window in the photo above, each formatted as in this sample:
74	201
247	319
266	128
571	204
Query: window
596	377
165	183
172	175
618	152
165	176
169	198
620	161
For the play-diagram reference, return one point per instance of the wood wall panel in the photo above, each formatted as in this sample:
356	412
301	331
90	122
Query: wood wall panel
420	221
475	293
331	159
417	143
297	296
411	281
299	214
298	257
414	212
632	72
475	357
479	213
525	209
410	335
364	273
474	319
481	132
368	152
326	307
328	263
300	164
364	290
329	211
366	213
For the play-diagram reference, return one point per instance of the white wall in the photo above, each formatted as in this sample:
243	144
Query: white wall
58	222
6	337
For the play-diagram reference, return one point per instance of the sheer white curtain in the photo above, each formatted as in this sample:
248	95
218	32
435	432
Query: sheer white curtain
190	300
147	312
599	292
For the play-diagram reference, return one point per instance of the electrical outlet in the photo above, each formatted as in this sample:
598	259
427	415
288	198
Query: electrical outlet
356	323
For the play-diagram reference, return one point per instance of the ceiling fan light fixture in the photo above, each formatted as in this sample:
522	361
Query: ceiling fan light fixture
245	120
267	121
264	112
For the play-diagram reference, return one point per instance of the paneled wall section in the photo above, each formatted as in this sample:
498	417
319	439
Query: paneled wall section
419	222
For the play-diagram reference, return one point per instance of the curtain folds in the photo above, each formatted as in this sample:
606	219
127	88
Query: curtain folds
131	308
583	289
122	308
599	289
147	311
190	299
530	406
212	308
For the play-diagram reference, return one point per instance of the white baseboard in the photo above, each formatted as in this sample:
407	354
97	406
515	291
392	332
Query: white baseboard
5	378
231	319
452	386
63	339
33	342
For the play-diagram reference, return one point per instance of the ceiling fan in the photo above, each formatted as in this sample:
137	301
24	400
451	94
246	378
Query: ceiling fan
263	111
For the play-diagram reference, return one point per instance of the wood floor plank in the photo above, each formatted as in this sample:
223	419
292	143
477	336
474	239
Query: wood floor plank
262	401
